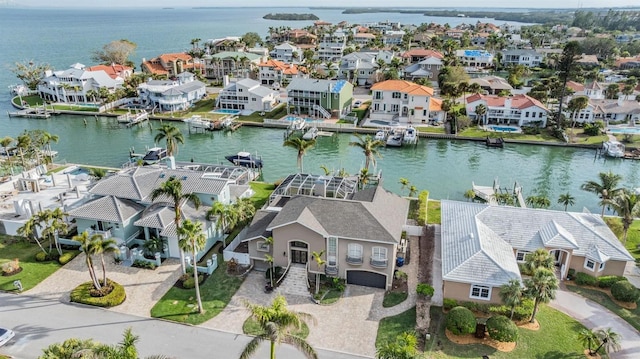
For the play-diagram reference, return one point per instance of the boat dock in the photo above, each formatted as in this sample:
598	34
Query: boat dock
35	112
130	119
490	194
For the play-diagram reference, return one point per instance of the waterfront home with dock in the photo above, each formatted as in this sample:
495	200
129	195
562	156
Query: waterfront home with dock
404	102
172	95
74	83
322	98
518	110
247	94
483	244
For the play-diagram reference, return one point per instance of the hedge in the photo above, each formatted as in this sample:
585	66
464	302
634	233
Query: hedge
625	292
585	279
66	257
608	280
448	303
502	329
423	198
460	321
81	294
521	312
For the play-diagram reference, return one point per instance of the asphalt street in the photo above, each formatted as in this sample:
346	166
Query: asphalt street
40	322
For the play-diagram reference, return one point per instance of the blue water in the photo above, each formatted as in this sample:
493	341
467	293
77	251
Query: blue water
625	130
78	171
503	129
307	120
226	111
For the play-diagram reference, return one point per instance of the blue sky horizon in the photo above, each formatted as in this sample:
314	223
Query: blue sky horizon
452	4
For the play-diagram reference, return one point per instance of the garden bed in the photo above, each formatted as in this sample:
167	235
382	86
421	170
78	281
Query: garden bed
398	293
471	339
82	294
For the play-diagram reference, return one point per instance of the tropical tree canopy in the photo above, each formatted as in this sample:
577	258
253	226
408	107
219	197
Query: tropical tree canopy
115	52
172	135
605	189
30	73
369	147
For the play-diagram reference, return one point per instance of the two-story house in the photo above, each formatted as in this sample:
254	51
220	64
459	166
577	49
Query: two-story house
475	58
172	95
359	68
247	94
322	98
171	65
286	52
518	110
237	64
74	83
427	68
404	102
359	233
529	58
225	44
331	46
277	73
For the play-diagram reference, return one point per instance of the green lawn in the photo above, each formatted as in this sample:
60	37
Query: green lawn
633	235
434	212
580	137
251	327
391	327
392	299
631	316
479	133
557	338
75	108
262	192
179	304
430	129
32	100
332	296
32	272
635	140
277	113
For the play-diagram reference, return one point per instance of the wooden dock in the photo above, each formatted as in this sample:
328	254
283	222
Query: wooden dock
37	112
130	119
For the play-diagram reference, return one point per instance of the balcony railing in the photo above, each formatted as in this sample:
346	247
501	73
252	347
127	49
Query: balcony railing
378	263
331	269
354	259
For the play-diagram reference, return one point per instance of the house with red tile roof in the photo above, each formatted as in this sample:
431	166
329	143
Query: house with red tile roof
172	64
416	55
518	110
404	102
114	71
278	73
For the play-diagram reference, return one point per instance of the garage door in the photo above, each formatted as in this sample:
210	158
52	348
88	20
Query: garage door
367	279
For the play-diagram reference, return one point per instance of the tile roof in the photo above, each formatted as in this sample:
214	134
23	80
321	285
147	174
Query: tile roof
113	70
422	53
519	101
479	237
108	208
155	68
435	105
403	86
575	86
174	57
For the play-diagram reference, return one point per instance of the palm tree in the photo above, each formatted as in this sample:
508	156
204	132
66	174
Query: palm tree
609	339
102	246
245	210
627	205
540	258
193	240
605	189
269	259
566	200
276	322
317	256
364	177
370	148
23	145
5	142
470	195
30	230
87	246
226	216
404	182
172	188
588	338
481	110
413	190
53	223
301	146
512	294
172	135
541	287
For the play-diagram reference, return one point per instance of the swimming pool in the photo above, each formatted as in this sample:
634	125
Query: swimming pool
503	129
78	171
226	111
308	120
625	130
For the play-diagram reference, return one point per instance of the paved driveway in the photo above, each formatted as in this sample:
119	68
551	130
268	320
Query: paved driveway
144	287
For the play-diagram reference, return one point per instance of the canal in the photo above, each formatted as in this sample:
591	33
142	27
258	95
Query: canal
445	168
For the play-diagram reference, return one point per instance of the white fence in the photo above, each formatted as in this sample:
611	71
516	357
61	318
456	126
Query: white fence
412	230
240	258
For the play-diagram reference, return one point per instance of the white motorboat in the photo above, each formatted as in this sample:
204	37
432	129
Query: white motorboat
381	135
311	134
410	135
151	157
613	148
395	138
245	159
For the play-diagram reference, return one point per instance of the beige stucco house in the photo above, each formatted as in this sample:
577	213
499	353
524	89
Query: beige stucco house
482	246
360	233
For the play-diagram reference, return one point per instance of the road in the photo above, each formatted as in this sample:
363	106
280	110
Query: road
40	322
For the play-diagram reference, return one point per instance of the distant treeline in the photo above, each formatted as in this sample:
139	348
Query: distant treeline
290	17
611	20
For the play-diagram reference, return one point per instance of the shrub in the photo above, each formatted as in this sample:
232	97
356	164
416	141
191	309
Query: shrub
139	263
66	257
11	266
449	303
476	307
585	279
425	289
571	273
608	280
41	257
625	292
520	312
423	198
460	321
189	283
502	329
81	294
401	275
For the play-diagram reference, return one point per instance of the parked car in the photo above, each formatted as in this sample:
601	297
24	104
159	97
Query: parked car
5	335
357	104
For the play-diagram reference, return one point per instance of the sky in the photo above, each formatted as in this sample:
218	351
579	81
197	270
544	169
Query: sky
341	3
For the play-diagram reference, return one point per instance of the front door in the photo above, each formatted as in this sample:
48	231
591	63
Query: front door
298	256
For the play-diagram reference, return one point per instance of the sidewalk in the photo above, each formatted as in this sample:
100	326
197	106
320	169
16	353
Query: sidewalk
595	316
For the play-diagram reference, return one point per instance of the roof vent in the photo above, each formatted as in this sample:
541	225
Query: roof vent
470	235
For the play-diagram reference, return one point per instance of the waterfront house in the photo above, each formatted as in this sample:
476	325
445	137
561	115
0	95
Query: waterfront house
482	246
492	85
475	58
170	65
278	74
360	244
303	39
115	71
404	102
359	68
627	63
225	44
331	46
233	64
286	52
121	206
322	98
529	58
74	83
393	37
247	94
519	110
172	95
363	38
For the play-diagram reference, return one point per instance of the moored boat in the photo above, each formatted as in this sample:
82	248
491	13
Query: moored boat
395	138
613	148
311	134
245	159
381	135
410	135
